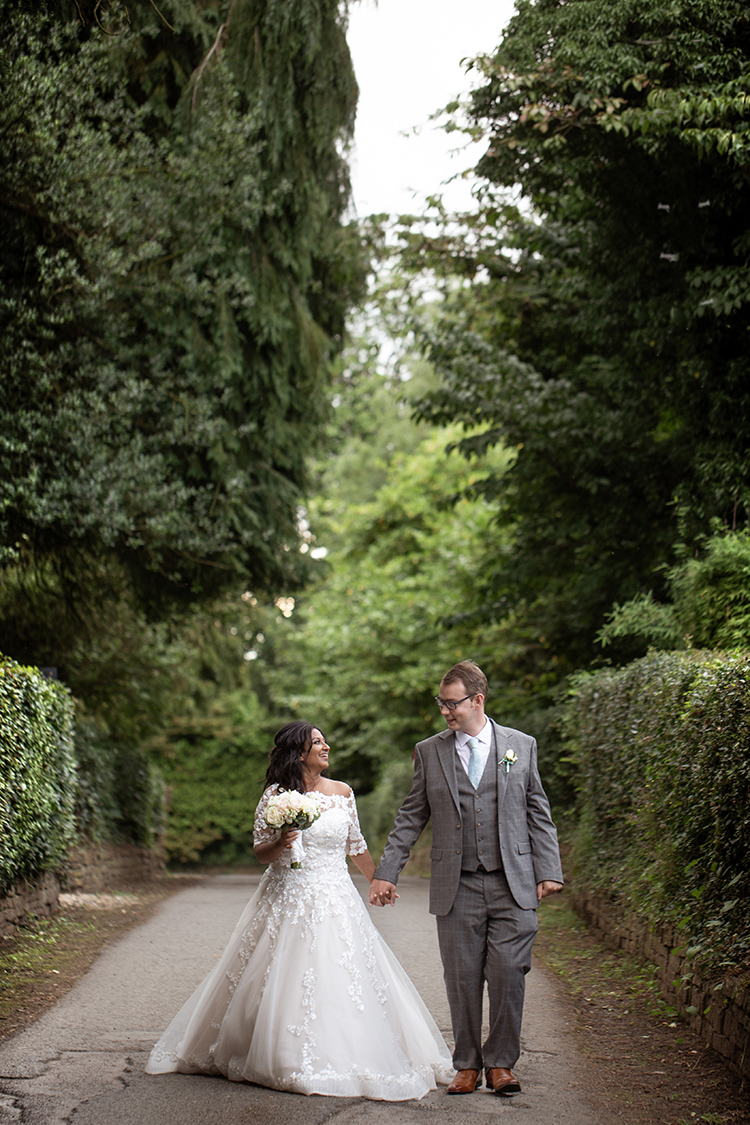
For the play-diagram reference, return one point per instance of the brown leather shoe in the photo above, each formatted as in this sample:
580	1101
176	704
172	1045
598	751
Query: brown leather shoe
466	1082
501	1081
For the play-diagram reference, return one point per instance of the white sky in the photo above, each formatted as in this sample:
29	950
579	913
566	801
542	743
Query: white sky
407	59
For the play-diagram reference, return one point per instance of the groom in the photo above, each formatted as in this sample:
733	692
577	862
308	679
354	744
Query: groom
494	858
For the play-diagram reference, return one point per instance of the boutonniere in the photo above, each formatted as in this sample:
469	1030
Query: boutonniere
509	759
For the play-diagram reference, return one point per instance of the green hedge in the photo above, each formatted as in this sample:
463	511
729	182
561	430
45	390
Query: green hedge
63	781
37	773
214	768
661	752
119	793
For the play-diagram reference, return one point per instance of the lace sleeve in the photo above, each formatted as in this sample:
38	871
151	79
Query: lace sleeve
356	843
263	832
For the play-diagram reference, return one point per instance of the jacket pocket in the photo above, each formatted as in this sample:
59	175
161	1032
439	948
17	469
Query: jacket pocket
524	847
436	853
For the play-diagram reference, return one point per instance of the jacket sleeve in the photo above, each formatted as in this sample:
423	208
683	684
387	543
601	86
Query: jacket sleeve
542	832
410	820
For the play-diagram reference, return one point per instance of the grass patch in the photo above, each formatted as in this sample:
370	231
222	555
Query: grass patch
587	966
45	948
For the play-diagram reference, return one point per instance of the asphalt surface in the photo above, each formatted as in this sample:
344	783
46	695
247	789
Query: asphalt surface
82	1062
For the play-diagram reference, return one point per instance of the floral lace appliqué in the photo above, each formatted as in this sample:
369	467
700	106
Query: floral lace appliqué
307	995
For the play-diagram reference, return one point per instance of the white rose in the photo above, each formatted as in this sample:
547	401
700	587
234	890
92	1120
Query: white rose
274	816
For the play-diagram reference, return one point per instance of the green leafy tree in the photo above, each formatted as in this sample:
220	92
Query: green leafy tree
175	276
709	607
364	649
599	323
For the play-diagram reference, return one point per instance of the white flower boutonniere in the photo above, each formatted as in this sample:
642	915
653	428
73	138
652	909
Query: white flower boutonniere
509	759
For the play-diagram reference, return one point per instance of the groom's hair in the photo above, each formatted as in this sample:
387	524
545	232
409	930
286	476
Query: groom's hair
470	675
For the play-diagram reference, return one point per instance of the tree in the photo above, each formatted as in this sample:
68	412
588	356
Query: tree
363	650
599	323
709	603
175	277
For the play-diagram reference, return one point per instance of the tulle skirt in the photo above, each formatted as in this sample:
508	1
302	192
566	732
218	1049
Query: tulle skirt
308	998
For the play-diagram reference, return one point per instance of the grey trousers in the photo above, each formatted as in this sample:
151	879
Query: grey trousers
486	937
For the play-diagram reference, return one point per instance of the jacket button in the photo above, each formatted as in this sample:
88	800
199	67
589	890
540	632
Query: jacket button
458	851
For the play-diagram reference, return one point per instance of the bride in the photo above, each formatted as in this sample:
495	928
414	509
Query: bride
307	996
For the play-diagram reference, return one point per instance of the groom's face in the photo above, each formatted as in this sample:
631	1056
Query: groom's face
464	715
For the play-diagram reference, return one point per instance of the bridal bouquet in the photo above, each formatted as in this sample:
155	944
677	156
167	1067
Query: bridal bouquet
290	809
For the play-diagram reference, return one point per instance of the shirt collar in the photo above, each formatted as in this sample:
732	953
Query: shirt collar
484	736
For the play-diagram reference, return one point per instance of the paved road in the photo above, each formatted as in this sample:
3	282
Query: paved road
82	1062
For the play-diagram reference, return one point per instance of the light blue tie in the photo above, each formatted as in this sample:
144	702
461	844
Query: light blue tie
475	762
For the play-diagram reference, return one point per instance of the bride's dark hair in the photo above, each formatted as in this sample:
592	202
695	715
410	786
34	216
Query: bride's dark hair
289	744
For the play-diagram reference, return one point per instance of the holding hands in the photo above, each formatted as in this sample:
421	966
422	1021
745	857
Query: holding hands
382	893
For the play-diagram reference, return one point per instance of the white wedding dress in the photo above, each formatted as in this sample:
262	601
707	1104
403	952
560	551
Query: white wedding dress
307	996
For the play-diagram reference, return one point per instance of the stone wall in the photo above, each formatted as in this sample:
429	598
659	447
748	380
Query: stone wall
38	897
86	868
718	1010
97	867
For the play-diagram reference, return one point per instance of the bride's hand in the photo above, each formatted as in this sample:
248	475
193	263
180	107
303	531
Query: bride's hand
269	850
382	893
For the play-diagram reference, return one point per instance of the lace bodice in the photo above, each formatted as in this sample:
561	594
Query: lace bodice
334	835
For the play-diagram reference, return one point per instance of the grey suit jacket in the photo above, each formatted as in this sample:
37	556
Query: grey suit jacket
528	839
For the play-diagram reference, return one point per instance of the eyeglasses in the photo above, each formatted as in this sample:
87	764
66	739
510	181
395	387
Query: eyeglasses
452	704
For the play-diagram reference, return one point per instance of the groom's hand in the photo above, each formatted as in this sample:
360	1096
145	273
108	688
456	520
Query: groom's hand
547	888
382	893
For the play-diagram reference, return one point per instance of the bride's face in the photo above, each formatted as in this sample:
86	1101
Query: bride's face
316	757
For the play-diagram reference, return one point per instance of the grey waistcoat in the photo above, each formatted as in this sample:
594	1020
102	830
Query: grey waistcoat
481	842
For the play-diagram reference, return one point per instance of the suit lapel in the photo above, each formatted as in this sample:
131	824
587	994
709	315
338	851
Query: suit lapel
446	752
501	743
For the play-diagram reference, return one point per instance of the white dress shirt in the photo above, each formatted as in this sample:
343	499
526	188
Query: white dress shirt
485	745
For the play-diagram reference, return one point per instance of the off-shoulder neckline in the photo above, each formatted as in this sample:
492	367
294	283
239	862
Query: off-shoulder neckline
314	793
331	796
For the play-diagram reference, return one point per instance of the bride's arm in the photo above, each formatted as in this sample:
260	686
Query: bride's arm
269	850
268	842
356	846
364	863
